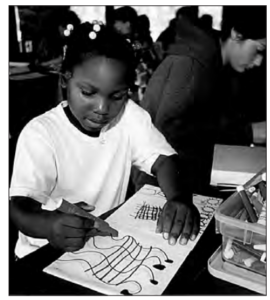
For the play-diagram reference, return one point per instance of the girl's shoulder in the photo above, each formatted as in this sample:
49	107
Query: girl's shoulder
135	116
46	122
134	112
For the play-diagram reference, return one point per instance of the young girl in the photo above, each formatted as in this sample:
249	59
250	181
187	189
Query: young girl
83	150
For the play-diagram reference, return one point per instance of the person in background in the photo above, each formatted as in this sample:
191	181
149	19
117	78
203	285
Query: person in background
243	105
83	149
167	37
184	95
124	20
50	49
50	45
206	23
147	57
136	29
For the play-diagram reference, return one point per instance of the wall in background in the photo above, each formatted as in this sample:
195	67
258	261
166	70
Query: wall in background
159	16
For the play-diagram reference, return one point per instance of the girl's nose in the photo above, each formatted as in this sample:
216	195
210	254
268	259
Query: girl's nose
102	106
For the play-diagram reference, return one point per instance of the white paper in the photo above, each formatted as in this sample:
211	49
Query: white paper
139	261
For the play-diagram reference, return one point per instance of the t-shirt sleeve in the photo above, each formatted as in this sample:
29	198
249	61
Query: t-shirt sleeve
147	142
34	171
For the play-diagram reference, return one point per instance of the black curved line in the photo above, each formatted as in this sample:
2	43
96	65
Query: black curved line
152	273
150	249
76	259
113	238
154	256
105	257
127	264
90	268
130	253
116	259
114	253
161	251
134	281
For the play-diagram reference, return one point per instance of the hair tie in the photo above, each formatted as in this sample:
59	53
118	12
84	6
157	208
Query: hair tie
67	33
96	28
68	30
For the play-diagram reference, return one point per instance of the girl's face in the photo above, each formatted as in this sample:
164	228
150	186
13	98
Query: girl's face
97	92
246	54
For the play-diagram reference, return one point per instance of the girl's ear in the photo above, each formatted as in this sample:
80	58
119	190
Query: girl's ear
65	78
236	36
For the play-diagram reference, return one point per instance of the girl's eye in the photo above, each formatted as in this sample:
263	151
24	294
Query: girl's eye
87	93
120	96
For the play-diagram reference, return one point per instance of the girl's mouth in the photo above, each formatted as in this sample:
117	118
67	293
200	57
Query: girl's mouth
98	123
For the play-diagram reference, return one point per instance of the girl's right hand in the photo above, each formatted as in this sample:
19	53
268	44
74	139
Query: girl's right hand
69	232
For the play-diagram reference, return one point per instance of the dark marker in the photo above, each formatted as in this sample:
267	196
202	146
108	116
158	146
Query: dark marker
247	204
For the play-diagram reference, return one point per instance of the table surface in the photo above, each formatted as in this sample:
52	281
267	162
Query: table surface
27	278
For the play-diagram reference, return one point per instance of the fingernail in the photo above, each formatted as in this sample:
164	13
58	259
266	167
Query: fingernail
165	235
172	241
183	241
193	237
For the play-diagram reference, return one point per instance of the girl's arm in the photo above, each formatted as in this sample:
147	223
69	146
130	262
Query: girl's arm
67	232
29	218
179	215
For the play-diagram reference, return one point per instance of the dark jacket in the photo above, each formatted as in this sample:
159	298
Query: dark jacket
181	98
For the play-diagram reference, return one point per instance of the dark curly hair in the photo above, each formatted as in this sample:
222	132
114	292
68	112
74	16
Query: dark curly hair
249	21
107	43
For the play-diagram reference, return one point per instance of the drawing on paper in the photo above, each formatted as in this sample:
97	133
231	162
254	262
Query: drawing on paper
207	209
130	264
206	205
117	264
150	191
147	212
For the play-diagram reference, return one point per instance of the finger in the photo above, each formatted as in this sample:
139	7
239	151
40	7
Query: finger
196	227
187	228
168	219
72	249
85	206
178	224
77	242
96	232
78	222
87	238
159	224
70	232
88	223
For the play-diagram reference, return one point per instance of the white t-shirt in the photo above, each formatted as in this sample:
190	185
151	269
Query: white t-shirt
56	160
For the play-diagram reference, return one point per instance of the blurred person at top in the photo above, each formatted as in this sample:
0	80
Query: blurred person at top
185	94
51	41
167	37
146	53
123	19
206	23
136	29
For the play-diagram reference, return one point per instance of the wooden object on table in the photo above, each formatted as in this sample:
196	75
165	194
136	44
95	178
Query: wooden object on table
235	165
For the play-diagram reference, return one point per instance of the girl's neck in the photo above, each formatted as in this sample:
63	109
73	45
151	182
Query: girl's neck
77	124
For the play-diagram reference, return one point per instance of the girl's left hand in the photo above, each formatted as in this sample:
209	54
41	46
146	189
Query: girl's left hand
179	218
